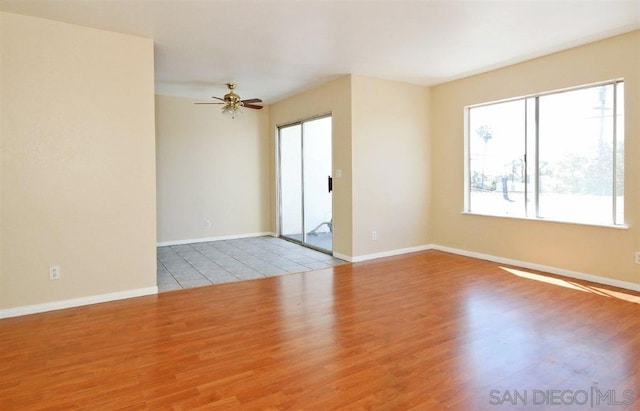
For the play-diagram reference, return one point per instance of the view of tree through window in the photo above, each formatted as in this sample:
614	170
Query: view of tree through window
558	156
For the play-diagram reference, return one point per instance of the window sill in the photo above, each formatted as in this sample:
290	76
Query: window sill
616	227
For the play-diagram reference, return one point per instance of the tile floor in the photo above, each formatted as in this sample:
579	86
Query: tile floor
199	264
321	240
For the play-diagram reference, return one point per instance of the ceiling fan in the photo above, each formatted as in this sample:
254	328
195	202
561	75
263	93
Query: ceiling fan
232	104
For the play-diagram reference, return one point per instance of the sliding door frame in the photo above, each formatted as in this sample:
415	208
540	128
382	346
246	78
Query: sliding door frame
279	207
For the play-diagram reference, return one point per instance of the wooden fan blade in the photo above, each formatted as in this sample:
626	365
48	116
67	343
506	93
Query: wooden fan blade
253	106
208	103
218	98
252	100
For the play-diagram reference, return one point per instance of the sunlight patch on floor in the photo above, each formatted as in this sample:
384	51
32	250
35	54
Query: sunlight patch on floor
574	285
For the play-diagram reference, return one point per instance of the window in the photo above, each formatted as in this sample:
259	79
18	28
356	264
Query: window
556	156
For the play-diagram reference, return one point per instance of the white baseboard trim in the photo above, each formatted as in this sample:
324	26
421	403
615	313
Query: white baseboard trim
218	238
342	256
76	302
383	254
545	268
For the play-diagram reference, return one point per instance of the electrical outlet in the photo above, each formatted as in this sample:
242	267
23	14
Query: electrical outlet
54	272
637	257
207	224
374	235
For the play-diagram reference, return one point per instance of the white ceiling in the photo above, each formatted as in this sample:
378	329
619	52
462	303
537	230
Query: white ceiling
275	48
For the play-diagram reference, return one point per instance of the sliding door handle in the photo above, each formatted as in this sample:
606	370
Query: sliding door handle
330	183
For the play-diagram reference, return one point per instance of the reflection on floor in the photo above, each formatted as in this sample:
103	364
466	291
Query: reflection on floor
322	240
199	264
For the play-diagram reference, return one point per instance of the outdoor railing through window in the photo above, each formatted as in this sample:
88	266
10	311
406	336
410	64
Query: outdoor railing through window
556	156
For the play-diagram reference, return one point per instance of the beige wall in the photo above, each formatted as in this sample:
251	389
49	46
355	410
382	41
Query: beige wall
333	97
78	178
77	162
391	182
210	167
607	252
383	152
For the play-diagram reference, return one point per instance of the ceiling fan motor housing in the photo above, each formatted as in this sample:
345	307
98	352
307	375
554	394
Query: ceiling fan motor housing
232	98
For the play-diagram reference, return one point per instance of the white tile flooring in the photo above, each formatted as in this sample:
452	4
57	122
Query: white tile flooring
199	264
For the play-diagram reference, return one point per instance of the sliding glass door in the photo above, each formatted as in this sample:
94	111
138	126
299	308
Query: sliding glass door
291	182
306	183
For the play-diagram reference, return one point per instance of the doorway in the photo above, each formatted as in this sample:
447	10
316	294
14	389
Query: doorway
306	185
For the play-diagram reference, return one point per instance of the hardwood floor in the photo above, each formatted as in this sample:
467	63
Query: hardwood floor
428	330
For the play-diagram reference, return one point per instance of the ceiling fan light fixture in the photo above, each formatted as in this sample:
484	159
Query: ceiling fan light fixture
232	110
232	104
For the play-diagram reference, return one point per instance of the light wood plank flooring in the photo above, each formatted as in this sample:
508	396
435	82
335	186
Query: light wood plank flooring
429	330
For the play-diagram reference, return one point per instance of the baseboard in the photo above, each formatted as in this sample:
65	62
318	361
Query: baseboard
218	238
545	268
76	302
391	253
342	256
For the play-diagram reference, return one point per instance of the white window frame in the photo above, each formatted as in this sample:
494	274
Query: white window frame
535	213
